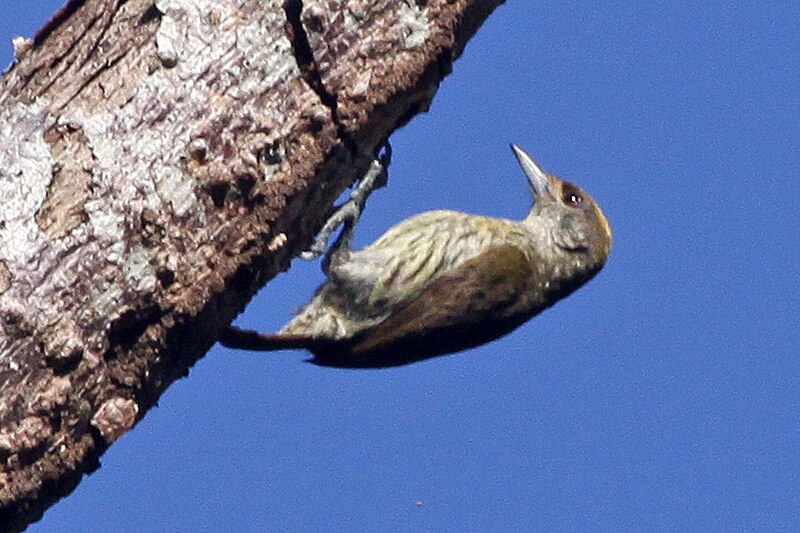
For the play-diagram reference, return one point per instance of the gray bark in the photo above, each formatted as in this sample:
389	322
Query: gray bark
159	162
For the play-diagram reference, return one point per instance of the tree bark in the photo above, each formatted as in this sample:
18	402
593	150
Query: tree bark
159	162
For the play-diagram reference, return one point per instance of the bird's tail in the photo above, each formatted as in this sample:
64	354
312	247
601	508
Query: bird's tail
245	339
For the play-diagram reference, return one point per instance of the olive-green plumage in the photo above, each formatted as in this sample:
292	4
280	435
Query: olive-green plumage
445	281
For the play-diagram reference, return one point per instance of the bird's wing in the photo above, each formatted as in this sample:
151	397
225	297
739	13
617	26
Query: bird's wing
482	299
404	261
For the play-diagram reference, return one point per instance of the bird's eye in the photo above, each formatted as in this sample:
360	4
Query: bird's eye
571	196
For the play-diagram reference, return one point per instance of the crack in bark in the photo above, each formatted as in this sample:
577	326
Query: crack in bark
108	65
100	36
65	59
304	55
309	70
58	59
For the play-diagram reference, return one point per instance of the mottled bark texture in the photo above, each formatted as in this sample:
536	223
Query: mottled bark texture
159	162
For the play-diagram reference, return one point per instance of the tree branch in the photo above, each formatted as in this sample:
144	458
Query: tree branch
160	162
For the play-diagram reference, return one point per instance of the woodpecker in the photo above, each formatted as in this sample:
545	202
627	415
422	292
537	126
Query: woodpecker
445	281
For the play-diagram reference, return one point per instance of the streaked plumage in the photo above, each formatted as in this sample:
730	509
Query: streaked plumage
444	281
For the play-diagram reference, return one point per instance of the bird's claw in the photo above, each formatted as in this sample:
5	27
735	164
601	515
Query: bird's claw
349	212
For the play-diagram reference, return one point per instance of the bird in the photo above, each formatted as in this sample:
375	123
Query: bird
445	281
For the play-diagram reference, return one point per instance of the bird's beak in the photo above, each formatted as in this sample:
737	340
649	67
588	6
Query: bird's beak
538	178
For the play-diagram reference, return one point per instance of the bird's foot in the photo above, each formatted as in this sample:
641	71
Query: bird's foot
349	212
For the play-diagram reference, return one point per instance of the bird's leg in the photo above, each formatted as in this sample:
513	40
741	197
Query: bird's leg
349	212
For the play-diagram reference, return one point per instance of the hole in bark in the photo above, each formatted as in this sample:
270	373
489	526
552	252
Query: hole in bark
245	183
63	364
271	153
150	15
166	277
31	455
218	191
125	330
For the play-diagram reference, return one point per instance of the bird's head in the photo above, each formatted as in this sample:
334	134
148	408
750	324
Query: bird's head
566	217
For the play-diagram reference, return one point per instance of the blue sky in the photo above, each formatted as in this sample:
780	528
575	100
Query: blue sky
663	396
